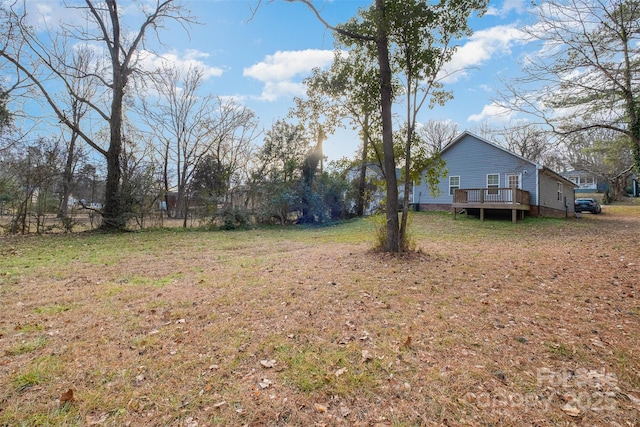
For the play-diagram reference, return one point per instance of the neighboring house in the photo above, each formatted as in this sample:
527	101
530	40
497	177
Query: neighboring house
375	186
484	176
585	181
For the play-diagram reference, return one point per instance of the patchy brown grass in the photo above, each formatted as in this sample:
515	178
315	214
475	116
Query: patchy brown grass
490	324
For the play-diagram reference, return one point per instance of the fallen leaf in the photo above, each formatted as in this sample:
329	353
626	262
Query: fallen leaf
571	410
366	356
633	399
66	397
96	419
265	383
340	372
268	363
344	411
320	408
220	404
407	343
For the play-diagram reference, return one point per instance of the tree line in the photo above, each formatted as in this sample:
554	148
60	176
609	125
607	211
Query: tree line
150	139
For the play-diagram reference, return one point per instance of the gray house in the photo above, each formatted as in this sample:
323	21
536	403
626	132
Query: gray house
484	176
586	182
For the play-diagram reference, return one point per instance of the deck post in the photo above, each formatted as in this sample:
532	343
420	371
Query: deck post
514	215
453	213
481	214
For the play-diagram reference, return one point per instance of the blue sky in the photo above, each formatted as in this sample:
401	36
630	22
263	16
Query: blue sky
260	59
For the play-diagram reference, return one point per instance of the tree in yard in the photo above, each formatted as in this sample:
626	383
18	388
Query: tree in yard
423	36
82	88
5	114
604	154
585	78
290	181
44	60
437	134
283	152
525	139
347	91
414	38
210	178
36	170
182	122
279	171
191	128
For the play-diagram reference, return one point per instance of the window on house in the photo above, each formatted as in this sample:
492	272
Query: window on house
493	182
514	181
560	197
454	184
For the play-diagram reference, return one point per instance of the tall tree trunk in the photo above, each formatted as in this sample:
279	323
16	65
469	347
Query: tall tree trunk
407	187
165	176
67	177
113	217
113	213
635	137
386	91
362	184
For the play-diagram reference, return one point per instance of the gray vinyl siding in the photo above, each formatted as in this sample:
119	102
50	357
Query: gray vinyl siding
472	160
549	193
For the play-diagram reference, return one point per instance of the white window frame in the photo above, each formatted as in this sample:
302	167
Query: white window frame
517	177
453	187
510	193
560	191
493	185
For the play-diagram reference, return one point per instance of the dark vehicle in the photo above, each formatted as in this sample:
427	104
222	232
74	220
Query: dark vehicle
587	204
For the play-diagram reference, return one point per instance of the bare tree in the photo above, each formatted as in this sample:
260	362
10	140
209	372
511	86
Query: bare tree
189	127
182	123
605	154
101	26
585	76
524	139
82	87
437	134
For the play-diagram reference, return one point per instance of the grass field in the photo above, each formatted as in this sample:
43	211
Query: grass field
487	324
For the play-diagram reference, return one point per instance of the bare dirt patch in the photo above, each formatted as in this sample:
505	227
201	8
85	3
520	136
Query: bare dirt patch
489	324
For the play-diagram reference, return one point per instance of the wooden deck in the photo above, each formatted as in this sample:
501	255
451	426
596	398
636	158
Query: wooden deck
513	199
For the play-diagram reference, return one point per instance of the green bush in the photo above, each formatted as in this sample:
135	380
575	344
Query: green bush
231	218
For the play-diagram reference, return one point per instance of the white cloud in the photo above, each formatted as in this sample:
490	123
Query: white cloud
517	6
191	58
493	113
482	46
274	90
278	71
47	15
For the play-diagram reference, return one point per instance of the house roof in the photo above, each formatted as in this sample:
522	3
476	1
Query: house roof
539	167
486	141
557	176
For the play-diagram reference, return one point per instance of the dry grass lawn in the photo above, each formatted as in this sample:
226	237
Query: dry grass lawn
489	324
